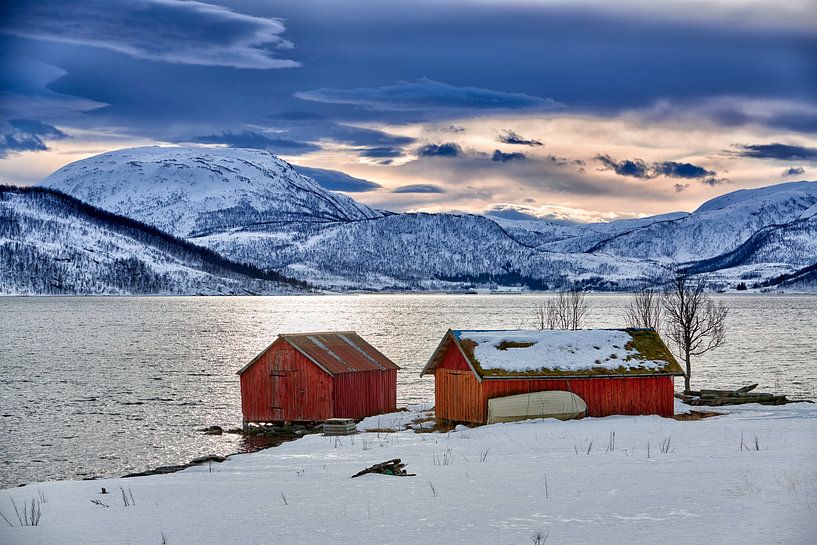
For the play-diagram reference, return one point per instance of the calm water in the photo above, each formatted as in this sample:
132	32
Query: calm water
106	386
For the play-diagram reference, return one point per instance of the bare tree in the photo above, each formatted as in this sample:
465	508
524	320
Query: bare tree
644	309
565	310
696	323
541	315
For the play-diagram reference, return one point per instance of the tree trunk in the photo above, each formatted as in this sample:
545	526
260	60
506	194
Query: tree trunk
688	375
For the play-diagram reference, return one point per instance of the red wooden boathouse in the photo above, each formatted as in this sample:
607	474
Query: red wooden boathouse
628	371
314	376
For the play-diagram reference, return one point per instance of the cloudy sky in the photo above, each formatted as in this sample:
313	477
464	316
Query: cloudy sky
583	109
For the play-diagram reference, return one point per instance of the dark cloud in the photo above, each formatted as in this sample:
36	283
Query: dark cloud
510	137
27	135
715	181
381	152
157	30
255	140
794	171
337	181
672	169
680	187
550	158
425	94
499	156
449	149
418	188
637	168
777	150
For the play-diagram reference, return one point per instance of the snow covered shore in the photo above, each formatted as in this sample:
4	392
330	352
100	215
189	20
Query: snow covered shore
746	477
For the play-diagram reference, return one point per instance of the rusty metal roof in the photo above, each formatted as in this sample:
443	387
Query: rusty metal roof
338	352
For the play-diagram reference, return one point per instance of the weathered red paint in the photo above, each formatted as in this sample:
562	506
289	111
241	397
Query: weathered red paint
284	384
461	397
365	393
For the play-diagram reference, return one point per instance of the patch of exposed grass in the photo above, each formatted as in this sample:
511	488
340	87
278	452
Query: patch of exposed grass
649	346
504	345
440	426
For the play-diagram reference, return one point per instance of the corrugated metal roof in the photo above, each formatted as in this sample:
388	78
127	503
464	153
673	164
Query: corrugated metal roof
338	352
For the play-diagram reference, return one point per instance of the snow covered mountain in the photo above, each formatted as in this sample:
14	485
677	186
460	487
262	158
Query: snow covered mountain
51	243
193	191
716	227
251	207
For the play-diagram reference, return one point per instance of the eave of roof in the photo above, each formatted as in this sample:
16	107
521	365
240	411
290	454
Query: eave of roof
439	352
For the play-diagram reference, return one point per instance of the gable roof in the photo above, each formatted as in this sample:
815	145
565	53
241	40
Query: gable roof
584	353
335	352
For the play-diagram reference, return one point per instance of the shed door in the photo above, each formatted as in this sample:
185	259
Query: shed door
278	385
295	396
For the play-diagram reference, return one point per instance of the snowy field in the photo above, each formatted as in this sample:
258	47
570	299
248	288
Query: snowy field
746	477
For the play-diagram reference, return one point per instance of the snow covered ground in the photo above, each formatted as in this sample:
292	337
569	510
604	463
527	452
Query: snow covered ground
746	477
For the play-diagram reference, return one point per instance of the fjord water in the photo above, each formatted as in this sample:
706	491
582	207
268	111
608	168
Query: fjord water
106	386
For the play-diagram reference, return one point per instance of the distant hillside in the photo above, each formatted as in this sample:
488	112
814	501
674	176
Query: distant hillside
51	243
423	251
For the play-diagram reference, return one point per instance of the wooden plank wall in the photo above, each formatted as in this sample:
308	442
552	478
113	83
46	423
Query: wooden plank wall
301	392
365	393
458	396
604	396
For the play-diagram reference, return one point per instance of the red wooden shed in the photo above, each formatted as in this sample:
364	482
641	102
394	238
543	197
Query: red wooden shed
615	371
307	377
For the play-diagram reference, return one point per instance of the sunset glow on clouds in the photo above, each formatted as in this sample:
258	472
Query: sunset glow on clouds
551	109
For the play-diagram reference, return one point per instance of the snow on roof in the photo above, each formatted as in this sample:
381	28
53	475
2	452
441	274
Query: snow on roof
585	350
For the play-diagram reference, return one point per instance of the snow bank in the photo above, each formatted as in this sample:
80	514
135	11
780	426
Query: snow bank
634	480
579	350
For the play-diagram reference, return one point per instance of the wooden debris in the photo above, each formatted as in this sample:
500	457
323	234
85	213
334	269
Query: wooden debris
339	426
717	398
392	467
696	415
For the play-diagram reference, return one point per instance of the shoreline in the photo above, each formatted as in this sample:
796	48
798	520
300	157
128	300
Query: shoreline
265	441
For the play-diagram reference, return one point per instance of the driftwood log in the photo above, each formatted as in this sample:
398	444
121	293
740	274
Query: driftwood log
392	467
717	398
